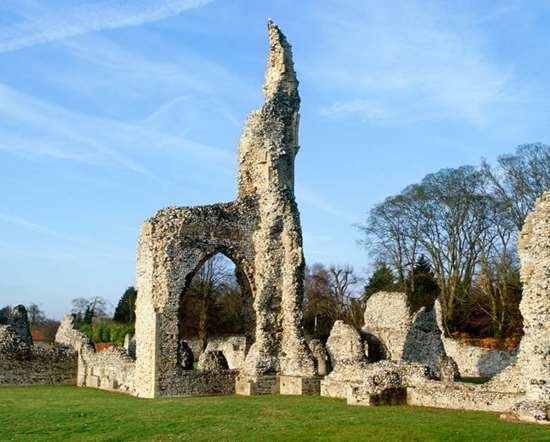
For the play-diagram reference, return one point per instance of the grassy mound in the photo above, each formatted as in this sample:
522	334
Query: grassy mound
69	413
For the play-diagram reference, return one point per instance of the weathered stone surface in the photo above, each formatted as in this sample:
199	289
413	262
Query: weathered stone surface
531	411
110	369
299	386
396	334
423	342
130	345
68	335
534	352
212	360
320	354
258	385
388	319
260	231
460	396
24	364
19	321
346	352
186	356
233	347
385	380
477	361
380	382
474	361
448	369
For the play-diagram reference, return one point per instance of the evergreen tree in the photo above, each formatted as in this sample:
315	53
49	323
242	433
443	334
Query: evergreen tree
126	309
381	279
422	286
88	316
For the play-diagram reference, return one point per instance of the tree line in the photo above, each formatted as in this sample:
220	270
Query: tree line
461	227
452	236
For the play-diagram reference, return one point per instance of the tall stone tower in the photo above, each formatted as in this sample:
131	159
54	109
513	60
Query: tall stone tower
260	231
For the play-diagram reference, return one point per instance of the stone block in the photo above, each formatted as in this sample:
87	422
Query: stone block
93	381
367	397
298	385
258	385
334	389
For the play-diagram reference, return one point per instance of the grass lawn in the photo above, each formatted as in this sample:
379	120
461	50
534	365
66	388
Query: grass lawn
68	413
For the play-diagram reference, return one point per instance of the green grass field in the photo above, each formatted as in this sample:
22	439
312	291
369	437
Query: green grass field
68	413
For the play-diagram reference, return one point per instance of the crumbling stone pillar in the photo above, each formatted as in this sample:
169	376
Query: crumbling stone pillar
534	352
19	321
260	231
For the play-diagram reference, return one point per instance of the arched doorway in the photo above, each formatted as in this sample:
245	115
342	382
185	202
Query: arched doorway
216	310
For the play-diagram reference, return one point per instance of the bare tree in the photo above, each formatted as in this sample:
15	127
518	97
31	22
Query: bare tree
447	217
392	234
213	278
342	280
91	308
519	179
330	295
35	314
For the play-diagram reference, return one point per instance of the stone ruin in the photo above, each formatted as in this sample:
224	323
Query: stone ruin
533	361
395	333
22	362
399	358
259	231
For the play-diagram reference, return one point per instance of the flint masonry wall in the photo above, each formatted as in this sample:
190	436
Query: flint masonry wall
475	361
393	332
233	347
111	369
533	361
260	231
23	364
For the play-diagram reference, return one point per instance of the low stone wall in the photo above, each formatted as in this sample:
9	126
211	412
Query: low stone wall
460	396
23	364
475	361
201	383
112	369
257	385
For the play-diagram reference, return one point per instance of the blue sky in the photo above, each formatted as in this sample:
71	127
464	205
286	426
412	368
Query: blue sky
111	109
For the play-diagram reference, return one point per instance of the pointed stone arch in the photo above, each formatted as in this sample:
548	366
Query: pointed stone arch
260	231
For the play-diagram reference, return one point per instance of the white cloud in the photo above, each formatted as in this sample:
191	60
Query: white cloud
313	199
75	18
365	108
27	225
422	63
32	127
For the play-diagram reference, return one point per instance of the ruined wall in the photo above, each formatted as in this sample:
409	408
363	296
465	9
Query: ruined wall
24	364
110	369
461	396
19	323
234	349
476	361
396	334
68	335
260	232
533	361
473	361
387	317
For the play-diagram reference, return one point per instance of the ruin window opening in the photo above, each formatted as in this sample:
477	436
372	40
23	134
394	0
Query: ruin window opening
215	304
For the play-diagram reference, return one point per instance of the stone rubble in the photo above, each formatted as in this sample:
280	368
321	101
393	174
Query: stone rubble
320	354
212	360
